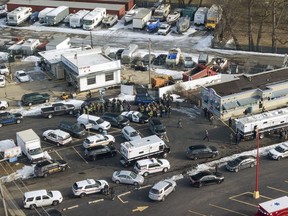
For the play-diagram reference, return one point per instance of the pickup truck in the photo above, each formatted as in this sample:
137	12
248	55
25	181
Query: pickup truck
57	109
10	118
47	167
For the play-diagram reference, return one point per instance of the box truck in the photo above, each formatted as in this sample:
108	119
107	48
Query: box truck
42	14
57	15
30	145
200	16
214	15
142	148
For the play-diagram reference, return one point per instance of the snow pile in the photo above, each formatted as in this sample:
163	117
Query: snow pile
32	58
3	56
26	172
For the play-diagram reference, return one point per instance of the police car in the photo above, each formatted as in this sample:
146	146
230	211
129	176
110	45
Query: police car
89	186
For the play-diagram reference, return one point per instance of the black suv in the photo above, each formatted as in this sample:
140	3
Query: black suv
73	129
206	177
34	98
98	152
201	151
156	127
47	167
10	118
115	120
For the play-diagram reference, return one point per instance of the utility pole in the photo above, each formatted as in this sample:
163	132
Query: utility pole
149	47
91	41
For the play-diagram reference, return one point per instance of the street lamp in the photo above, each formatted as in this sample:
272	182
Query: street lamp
256	193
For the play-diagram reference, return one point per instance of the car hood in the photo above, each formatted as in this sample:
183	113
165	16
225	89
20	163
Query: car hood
274	152
232	163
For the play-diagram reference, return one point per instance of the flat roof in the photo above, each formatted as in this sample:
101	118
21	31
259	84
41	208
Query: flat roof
83	5
249	82
86	58
54	56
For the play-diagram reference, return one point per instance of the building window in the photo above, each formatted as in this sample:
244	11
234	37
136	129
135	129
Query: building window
91	80
109	76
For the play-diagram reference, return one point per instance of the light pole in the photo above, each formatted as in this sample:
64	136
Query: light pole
9	65
256	193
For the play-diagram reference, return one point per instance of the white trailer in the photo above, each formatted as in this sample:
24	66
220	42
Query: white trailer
76	20
142	148
93	18
19	15
57	15
266	122
30	145
141	18
42	14
162	11
200	16
127	54
214	15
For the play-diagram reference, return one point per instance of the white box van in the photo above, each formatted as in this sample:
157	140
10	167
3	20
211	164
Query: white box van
94	122
38	198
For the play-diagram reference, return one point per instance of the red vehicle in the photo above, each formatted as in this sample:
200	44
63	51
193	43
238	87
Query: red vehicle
275	207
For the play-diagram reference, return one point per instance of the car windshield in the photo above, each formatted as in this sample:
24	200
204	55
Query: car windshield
133	134
237	161
22	74
100	121
35	151
49	193
97	183
87	141
120	118
154	191
279	149
133	175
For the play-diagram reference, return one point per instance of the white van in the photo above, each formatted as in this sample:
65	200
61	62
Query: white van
38	198
94	122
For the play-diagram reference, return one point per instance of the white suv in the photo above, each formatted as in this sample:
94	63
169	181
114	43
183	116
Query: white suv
147	166
88	186
162	189
130	134
57	136
2	81
279	151
98	139
93	122
4	69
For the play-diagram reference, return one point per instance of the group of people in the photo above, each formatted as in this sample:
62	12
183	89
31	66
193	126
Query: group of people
155	109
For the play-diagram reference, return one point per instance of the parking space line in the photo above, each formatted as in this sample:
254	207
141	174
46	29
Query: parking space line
71	207
95	201
196	213
286	181
243	202
80	155
61	157
229	210
145	186
123	195
272	188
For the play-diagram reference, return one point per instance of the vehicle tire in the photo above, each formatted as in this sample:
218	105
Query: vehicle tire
58	144
145	174
279	158
252	165
63	169
219	182
83	126
142	122
136	184
2	108
110	143
55	202
44	138
261	135
100	130
237	170
94	157
33	206
45	175
50	116
163	198
165	169
29	104
18	121
82	195
117	182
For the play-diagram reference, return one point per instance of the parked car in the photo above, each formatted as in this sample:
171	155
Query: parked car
156	127
22	76
10	118
143	99
39	198
100	151
135	116
88	186
279	152
2	81
130	134
147	166
115	120
47	167
57	109
34	98
57	136
201	151
98	139
241	162
93	122
4	105
188	62
205	178
4	70
72	128
127	177
162	189
164	29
